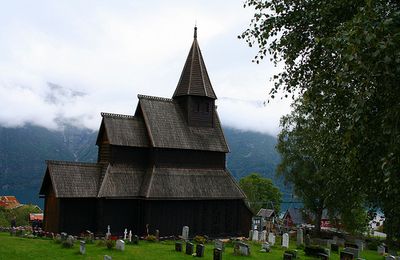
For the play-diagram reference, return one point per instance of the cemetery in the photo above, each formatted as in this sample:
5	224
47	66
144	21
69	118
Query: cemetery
34	244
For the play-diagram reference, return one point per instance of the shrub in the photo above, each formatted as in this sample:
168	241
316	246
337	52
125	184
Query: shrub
151	238
199	240
110	244
101	243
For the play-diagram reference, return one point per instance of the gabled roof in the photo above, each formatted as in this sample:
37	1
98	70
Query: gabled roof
296	215
122	180
194	79
72	179
179	183
265	213
124	130
167	127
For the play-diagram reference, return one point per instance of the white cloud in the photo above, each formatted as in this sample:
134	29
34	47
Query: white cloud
112	51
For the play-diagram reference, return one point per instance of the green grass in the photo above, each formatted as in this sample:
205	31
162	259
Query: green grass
24	248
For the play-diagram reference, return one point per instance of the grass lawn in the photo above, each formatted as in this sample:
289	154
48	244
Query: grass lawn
24	248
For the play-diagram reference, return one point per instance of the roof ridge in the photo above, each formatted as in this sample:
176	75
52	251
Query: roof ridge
103	114
71	163
155	98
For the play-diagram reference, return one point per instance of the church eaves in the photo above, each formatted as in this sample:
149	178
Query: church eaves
194	80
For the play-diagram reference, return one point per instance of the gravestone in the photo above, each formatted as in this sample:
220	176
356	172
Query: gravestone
64	236
299	241
271	239
307	241
255	235
352	250
263	235
360	244
185	233
107	257
285	240
346	256
120	245
390	257
287	256
219	244
200	250
189	248
381	250
265	247
217	254
157	234
108	234
323	256
125	233
130	236
241	248
82	248
135	240
250	234
335	248
178	246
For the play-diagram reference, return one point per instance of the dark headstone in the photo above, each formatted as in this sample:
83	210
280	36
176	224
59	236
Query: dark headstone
351	245
217	254
346	256
335	248
178	246
200	250
135	239
307	240
287	256
189	248
323	256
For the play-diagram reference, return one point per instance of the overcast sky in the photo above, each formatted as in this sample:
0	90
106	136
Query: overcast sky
70	60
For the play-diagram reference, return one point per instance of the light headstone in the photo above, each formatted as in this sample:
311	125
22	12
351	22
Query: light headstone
185	233
285	240
82	248
130	236
263	235
255	235
120	245
125	233
108	234
299	241
271	238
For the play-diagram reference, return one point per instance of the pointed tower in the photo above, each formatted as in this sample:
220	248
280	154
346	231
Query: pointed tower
194	92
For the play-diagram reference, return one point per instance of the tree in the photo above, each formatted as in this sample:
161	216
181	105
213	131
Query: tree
260	192
342	59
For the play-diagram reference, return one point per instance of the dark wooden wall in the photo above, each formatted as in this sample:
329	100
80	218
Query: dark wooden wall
51	212
200	111
133	155
188	159
77	215
215	218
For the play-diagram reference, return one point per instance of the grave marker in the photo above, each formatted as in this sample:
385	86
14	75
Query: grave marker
285	240
189	248
255	235
120	245
200	250
125	233
82	248
271	238
299	241
217	254
185	233
346	256
178	246
219	244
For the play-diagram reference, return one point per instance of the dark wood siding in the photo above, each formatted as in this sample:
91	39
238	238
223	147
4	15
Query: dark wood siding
121	154
51	212
188	159
104	154
200	112
77	215
204	217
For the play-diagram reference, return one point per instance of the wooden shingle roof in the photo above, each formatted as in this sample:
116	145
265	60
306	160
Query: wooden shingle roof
194	79
122	180
167	127
179	183
72	179
124	130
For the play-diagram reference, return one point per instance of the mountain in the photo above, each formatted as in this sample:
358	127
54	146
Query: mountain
23	152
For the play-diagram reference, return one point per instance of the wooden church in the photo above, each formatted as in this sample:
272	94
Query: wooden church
162	168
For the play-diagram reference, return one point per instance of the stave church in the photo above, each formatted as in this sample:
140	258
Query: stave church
160	169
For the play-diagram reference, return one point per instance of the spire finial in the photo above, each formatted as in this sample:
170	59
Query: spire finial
195	31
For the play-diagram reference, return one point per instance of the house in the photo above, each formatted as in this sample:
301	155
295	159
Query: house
293	217
160	169
9	202
268	216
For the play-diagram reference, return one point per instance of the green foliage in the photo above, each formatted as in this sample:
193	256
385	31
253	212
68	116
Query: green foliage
200	240
21	214
110	244
342	60
260	192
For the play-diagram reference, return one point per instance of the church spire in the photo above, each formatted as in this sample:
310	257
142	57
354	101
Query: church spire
194	80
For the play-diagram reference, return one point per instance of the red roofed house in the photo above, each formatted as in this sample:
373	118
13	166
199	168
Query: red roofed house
9	202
